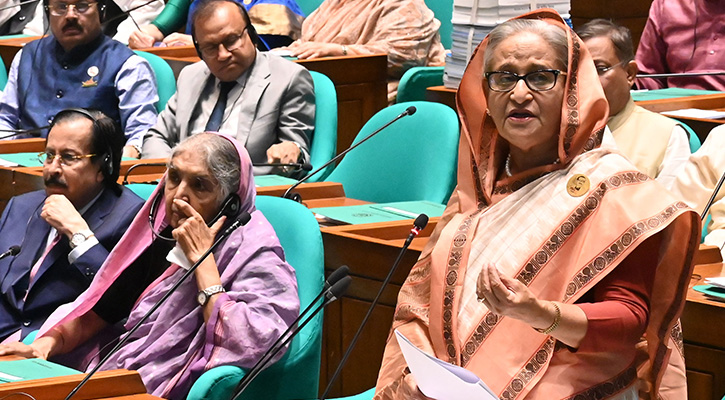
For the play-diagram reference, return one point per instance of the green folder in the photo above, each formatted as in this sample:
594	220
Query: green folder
668	93
712	292
32	368
273	180
381	212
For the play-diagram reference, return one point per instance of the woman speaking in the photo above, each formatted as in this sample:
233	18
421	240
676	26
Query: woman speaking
557	270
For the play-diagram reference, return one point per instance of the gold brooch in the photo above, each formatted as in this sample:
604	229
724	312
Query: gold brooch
578	185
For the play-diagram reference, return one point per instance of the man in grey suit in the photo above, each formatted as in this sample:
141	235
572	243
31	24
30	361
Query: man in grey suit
264	101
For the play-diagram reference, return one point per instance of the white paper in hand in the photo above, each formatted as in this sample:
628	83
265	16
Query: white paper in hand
440	380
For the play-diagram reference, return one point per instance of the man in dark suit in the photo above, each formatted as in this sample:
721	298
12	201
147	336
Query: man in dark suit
66	231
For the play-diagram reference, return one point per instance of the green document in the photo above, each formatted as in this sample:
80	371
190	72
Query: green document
32	368
273	180
668	93
712	292
382	212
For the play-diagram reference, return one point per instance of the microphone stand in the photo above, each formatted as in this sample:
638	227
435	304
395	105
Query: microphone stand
681	74
131	168
331	294
35	132
240	221
296	197
418	226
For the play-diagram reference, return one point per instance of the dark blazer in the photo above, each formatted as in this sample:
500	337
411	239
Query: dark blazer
57	281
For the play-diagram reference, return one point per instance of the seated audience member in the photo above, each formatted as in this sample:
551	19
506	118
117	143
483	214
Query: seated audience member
657	145
553	257
235	305
696	183
27	18
683	36
278	21
405	30
66	231
264	101
78	66
21	18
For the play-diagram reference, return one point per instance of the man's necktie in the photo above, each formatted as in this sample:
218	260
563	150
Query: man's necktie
217	115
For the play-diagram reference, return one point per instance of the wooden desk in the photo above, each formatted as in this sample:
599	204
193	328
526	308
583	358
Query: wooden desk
8	184
116	385
369	250
706	102
360	82
703	327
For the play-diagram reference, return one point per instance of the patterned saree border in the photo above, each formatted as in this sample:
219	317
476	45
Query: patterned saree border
615	250
529	371
609	388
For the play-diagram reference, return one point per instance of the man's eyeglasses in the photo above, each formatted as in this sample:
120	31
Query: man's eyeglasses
230	43
603	70
61	9
538	81
65	158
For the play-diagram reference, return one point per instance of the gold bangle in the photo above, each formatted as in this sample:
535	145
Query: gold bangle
344	49
555	324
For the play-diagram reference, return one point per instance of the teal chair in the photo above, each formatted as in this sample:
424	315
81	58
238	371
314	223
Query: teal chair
413	159
3	75
308	6
694	139
324	139
297	374
165	81
443	10
416	80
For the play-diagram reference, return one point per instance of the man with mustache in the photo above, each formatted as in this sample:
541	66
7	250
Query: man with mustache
265	102
79	67
66	231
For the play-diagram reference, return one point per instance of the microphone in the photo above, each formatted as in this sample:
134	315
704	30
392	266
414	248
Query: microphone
331	294
712	197
681	74
302	166
296	197
14	250
131	168
418	226
22	3
34	132
241	220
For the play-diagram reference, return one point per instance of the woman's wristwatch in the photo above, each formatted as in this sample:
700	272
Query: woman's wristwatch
204	295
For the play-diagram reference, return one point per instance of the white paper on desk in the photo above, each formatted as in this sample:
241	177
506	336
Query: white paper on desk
696	113
440	380
718	282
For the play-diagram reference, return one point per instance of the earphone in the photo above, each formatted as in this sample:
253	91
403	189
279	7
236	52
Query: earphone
230	208
253	35
107	163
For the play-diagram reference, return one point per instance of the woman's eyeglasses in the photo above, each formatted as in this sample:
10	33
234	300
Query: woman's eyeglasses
61	9
65	158
538	81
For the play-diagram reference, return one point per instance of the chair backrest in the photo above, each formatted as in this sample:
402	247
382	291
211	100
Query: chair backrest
443	10
3	75
308	6
694	139
297	374
413	159
324	139
416	80
165	81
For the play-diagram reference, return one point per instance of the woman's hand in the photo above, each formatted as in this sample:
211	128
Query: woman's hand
145	37
178	39
192	233
506	296
21	349
304	50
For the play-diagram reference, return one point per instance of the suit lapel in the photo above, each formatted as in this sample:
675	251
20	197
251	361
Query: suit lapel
183	111
257	83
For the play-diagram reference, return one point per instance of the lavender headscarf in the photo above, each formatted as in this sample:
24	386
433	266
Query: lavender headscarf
174	346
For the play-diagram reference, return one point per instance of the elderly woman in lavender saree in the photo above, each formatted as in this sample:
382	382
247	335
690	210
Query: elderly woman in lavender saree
238	302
